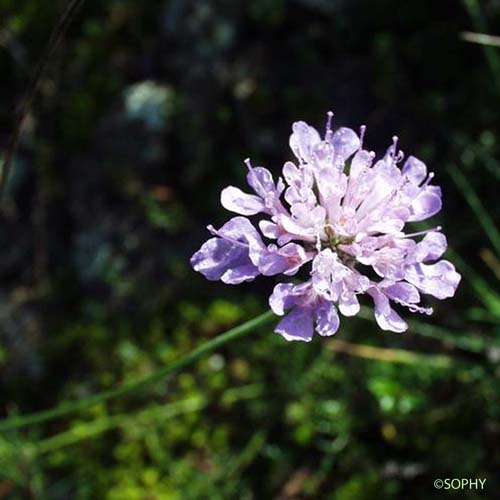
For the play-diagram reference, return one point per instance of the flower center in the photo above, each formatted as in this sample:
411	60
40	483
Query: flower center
334	240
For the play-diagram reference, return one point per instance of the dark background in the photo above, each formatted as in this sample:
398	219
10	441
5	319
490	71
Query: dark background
145	113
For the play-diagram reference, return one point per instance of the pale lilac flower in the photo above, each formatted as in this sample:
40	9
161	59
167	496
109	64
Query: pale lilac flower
338	216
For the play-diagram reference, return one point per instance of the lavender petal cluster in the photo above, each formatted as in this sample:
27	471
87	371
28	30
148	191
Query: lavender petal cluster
338	216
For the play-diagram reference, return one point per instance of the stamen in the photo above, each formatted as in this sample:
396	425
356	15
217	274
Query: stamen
362	131
428	180
215	232
414	308
395	140
422	310
405	181
318	243
248	164
380	204
420	233
328	132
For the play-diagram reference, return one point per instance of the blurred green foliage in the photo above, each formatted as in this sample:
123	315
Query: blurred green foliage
146	112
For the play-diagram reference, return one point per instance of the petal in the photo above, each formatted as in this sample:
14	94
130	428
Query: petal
282	298
295	256
261	181
310	220
220	259
235	200
425	205
229	256
331	185
269	229
346	142
275	231
386	317
348	304
241	232
239	274
291	173
415	170
297	229
360	162
432	247
238	229
439	280
327	319
388	223
271	264
381	187
403	292
303	140
435	190
301	181
328	274
297	325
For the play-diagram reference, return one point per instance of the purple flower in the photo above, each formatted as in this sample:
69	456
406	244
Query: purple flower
345	213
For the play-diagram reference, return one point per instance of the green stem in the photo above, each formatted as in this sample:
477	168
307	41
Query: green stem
81	432
135	385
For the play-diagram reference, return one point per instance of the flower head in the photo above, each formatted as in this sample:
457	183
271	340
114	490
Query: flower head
339	215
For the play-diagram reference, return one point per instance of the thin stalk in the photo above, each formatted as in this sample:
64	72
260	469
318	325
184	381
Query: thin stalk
480	38
477	207
486	294
473	344
135	385
55	39
389	355
475	12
